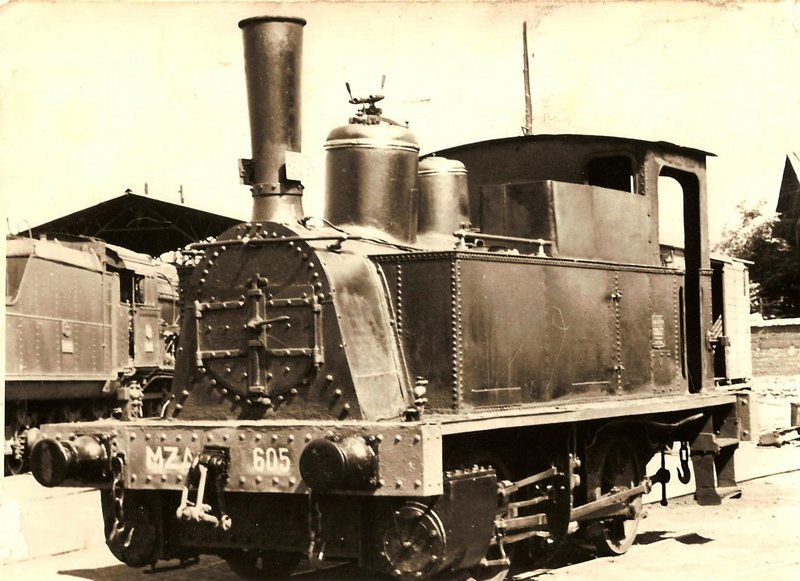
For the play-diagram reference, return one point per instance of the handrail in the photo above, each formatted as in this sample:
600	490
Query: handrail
462	235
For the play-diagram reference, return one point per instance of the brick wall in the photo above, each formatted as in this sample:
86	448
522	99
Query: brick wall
776	347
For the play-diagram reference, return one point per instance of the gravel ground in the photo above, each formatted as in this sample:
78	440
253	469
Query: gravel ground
777	386
773	396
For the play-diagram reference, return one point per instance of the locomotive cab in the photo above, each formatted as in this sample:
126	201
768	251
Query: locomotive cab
582	213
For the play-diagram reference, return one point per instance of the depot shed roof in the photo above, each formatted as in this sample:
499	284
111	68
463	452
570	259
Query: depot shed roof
140	223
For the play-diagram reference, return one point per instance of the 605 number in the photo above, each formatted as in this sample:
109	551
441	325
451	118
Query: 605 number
271	460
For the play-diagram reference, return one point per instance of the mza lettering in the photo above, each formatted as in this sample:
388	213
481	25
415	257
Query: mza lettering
168	459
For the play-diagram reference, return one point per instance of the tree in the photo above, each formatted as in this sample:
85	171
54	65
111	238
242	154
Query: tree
775	272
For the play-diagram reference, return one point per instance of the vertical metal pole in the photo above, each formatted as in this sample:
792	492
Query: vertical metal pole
528	129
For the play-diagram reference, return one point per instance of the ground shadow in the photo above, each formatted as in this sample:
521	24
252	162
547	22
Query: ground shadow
693	539
176	570
651	537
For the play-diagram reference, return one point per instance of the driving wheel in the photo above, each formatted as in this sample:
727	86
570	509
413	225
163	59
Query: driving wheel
619	470
14	465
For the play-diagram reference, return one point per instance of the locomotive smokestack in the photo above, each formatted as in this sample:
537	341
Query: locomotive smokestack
273	47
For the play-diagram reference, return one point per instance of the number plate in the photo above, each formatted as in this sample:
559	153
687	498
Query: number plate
269	460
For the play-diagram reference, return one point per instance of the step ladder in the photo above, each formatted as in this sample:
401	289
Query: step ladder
712	453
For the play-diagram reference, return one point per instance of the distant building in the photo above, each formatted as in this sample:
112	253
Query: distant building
776	347
789	201
140	223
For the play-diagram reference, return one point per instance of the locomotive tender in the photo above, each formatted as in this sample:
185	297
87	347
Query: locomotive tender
448	373
89	329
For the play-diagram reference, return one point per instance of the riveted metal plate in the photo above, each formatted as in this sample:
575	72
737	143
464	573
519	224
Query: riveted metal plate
265	457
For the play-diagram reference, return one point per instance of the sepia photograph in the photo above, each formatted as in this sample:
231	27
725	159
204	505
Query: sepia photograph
400	290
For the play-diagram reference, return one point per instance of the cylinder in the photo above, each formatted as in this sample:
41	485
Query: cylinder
443	196
371	178
273	47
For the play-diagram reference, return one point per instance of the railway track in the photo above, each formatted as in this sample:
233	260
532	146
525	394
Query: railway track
753	538
664	530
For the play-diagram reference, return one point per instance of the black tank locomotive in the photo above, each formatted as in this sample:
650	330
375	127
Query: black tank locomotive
445	374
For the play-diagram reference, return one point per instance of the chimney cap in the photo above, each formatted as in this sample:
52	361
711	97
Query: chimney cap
257	19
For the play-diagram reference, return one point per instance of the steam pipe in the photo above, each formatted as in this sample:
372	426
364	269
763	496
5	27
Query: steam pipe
273	47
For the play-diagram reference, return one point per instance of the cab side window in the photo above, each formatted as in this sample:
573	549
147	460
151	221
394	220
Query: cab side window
615	172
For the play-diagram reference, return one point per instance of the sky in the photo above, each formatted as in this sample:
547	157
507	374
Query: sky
99	97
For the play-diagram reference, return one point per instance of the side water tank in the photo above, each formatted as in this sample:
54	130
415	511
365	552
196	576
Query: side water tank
443	196
371	178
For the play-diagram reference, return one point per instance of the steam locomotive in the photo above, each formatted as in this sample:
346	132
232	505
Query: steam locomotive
90	331
447	374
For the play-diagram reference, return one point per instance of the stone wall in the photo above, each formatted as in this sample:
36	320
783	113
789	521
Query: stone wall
776	347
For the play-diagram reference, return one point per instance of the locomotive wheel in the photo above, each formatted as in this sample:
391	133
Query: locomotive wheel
262	564
17	461
620	469
14	465
141	515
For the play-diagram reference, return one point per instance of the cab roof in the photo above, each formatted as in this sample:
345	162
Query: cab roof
566	138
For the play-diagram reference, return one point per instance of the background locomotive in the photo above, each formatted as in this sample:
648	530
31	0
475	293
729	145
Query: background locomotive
89	328
443	376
